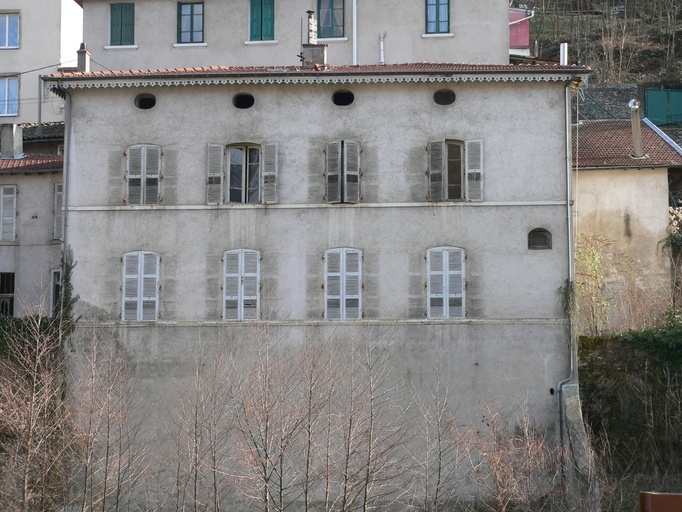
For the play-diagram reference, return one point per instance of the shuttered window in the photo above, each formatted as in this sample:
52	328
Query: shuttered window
445	282
343	171
140	286
58	211
241	285
343	284
122	28
455	170
251	174
262	20
143	174
8	212
437	16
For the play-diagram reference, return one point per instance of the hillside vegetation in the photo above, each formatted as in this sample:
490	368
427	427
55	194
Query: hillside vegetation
624	41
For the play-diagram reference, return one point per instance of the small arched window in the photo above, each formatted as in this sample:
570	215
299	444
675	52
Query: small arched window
539	239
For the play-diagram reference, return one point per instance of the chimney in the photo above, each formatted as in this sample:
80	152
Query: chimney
83	59
12	141
563	54
312	27
636	130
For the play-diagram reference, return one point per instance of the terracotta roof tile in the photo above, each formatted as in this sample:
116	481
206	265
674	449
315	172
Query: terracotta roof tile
31	163
408	68
608	144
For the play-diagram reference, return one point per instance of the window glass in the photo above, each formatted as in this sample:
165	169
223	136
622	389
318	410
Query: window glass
9	31
455	171
437	16
7	293
9	96
191	23
244	174
330	18
539	239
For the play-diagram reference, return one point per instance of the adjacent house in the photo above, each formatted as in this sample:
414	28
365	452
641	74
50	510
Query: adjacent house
626	173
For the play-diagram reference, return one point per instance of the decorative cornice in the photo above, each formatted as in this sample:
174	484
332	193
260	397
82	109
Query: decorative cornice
307	80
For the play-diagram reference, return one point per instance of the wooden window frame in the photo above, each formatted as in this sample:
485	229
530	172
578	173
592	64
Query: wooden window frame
330	32
471	158
437	21
192	20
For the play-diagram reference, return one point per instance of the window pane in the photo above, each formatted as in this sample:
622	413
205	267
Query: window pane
236	169
186	9
254	168
13	30
198	8
184	24
3	96
455	168
198	22
3	30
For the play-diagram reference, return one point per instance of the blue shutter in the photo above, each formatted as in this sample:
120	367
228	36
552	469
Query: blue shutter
256	17
268	27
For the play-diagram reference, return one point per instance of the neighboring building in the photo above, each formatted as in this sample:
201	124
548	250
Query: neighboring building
31	195
36	37
624	197
519	32
157	34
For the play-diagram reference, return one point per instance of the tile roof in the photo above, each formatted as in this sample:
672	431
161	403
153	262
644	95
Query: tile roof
34	132
409	68
31	164
607	144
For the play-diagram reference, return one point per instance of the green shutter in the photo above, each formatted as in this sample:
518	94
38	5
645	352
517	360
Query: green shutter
268	30
127	24
115	24
256	17
179	22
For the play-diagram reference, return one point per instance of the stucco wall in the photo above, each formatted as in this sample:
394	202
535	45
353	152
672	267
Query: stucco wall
34	253
227	29
630	208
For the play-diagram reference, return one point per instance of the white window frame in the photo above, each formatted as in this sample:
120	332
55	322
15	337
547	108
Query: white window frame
218	173
58	214
5	45
140	286
342	285
472	169
442	281
6	100
343	171
8	213
148	167
241	284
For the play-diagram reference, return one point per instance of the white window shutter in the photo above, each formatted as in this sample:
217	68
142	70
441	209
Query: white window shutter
250	299
150	286
333	171
351	171
8	212
445	282
58	210
436	283
474	170
269	177
231	285
437	156
152	172
455	283
134	173
131	285
215	174
352	292
333	276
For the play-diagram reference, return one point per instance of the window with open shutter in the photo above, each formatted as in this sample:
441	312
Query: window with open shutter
8	212
241	285
445	282
474	170
343	284
216	173
343	171
58	210
140	286
143	174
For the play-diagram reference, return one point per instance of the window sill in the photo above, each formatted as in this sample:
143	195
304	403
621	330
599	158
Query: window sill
440	34
13	114
9	242
9	47
190	45
262	43
332	39
122	47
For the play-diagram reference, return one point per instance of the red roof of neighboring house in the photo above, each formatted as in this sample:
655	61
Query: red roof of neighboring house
31	164
415	68
607	144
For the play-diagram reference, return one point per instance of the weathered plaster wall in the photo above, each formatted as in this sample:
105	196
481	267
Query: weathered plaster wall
630	208
227	30
34	253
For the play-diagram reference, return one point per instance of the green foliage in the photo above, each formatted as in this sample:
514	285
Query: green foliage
663	344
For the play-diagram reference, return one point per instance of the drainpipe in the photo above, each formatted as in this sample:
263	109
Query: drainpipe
572	352
382	61
65	231
355	32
